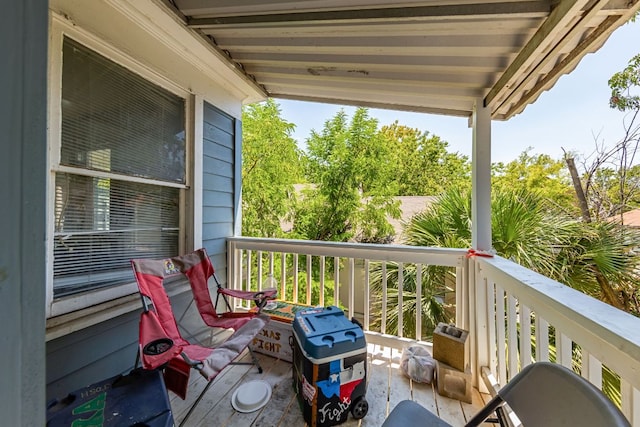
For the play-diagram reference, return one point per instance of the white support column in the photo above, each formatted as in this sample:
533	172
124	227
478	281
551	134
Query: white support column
23	173
480	238
471	326
481	178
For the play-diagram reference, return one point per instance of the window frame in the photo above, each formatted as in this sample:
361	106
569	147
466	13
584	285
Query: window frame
105	297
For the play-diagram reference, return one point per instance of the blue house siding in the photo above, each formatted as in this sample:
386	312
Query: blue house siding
91	354
23	171
218	198
104	350
109	348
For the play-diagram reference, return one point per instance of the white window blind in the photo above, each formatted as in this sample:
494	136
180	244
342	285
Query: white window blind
114	123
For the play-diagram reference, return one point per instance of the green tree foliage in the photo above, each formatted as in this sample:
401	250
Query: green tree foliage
521	221
270	167
611	192
623	85
352	181
435	283
536	173
611	182
536	234
423	166
606	182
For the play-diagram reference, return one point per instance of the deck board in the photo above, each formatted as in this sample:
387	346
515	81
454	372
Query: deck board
377	388
278	375
399	384
387	386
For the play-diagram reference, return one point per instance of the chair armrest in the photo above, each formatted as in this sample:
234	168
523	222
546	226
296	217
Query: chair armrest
259	297
249	295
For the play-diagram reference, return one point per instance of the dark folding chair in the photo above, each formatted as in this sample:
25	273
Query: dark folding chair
161	345
542	394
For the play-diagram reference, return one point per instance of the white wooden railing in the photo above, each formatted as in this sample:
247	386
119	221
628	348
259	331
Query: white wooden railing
254	261
522	317
514	316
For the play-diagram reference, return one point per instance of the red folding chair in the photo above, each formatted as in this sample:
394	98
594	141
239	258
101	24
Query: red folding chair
161	345
208	311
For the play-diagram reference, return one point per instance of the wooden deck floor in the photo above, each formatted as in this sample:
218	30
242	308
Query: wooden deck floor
386	387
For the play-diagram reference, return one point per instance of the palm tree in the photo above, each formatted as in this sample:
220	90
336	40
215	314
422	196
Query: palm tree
432	302
600	260
529	230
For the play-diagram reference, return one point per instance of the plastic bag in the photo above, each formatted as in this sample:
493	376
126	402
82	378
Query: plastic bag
417	364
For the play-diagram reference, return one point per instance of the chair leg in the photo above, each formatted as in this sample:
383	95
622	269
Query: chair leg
255	360
137	359
485	412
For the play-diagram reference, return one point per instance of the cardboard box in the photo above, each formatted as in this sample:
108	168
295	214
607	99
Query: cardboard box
329	367
276	339
453	383
451	346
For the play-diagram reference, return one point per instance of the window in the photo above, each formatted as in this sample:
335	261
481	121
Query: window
121	171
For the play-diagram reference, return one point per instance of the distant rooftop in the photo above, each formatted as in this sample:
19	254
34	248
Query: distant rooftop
409	206
630	219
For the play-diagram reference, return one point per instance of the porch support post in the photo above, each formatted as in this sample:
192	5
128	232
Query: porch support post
481	178
23	174
480	239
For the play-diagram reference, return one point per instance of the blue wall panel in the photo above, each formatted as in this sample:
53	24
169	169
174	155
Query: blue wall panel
219	136
109	348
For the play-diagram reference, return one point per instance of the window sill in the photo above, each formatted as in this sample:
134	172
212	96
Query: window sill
65	324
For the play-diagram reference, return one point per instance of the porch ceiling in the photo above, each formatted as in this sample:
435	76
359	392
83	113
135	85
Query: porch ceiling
434	56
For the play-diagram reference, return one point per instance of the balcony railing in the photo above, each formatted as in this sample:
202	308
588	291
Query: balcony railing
530	317
514	315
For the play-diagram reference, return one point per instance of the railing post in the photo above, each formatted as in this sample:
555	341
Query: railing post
400	300
259	270
322	260
383	322
309	278
336	280
478	318
247	284
366	304
462	295
283	275
418	335
231	263
630	402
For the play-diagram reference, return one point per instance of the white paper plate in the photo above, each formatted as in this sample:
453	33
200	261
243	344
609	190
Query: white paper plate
251	396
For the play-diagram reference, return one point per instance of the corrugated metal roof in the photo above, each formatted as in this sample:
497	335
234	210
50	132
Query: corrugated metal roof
434	56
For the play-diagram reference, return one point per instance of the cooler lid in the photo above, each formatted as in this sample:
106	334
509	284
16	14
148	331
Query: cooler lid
325	332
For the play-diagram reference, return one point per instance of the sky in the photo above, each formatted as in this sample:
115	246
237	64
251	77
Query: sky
572	115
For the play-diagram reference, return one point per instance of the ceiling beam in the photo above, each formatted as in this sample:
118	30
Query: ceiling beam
414	28
534	50
550	56
356	74
449	64
597	36
526	8
371	104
